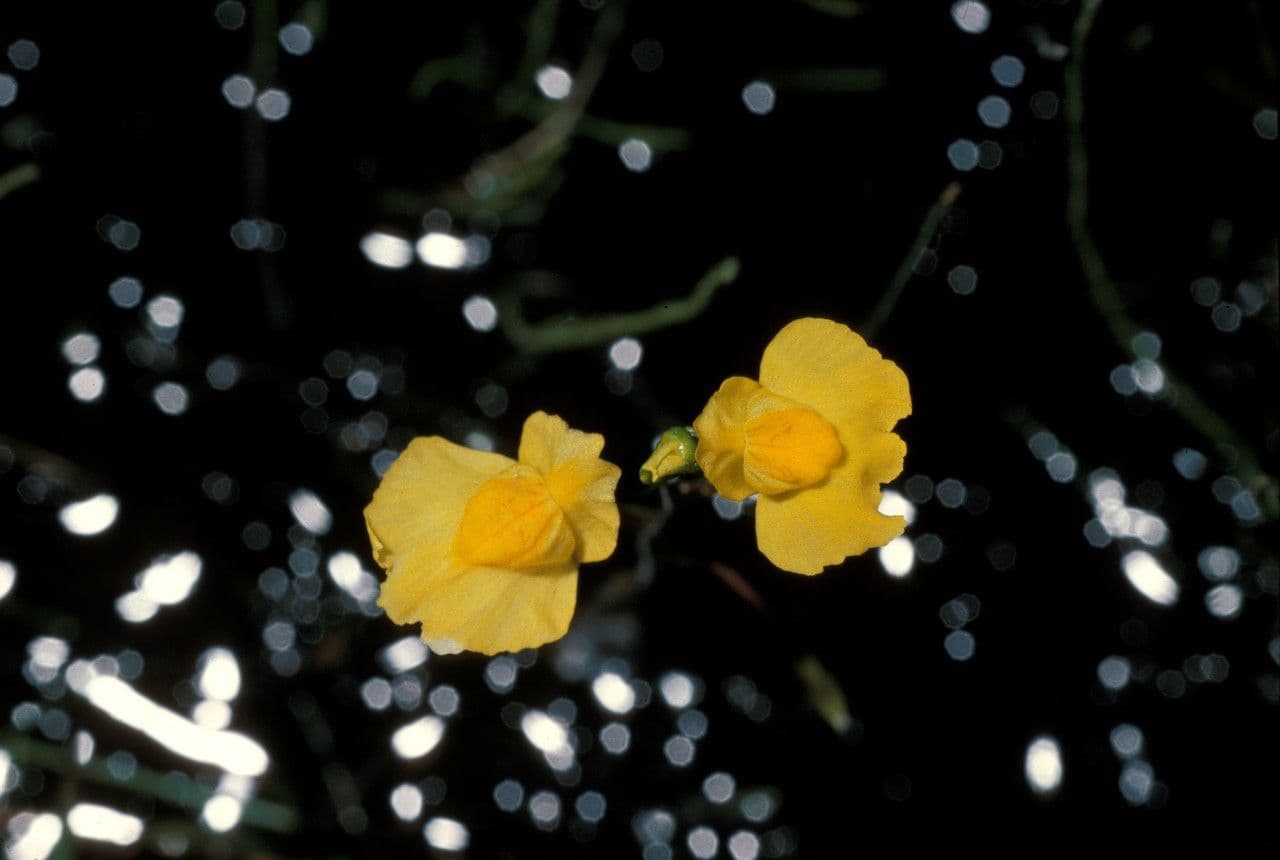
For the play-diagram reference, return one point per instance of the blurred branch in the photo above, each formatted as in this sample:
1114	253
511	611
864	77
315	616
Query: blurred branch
1046	46
1107	298
836	8
18	614
566	333
533	186
521	198
540	30
824	693
519	179
621	587
1103	292
262	70
15	178
314	15
829	80
263	58
52	467
646	561
932	221
175	789
550	135
1239	91
614	132
201	841
1273	284
468	68
739	585
1266	52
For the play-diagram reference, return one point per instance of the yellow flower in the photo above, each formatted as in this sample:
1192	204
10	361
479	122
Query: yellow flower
813	438
483	550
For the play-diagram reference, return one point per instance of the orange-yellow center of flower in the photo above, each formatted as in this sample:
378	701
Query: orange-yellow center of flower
790	448
513	522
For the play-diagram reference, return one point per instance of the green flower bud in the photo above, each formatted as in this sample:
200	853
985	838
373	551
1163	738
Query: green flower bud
673	455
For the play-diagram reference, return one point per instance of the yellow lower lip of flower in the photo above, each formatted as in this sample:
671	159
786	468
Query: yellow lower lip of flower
513	522
789	449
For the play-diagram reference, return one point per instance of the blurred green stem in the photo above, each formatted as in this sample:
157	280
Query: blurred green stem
55	468
19	614
526	172
614	132
824	693
560	334
314	15
12	180
175	789
263	62
1107	298
1266	52
932	221
551	135
540	30
646	559
469	67
855	80
836	8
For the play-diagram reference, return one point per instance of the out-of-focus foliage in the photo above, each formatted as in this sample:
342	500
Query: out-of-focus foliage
251	250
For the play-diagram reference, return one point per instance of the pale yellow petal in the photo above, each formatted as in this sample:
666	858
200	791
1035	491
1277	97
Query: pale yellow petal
492	609
593	514
418	507
828	367
807	530
547	441
414	575
580	482
722	437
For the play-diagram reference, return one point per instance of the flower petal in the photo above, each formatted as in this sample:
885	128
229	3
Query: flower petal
491	609
806	530
418	507
788	446
722	437
580	482
827	366
512	521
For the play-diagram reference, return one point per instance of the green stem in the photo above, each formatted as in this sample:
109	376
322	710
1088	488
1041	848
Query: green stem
836	8
856	80
12	180
558	335
53	467
550	136
932	221
1108	300
540	30
175	789
611	131
263	62
469	68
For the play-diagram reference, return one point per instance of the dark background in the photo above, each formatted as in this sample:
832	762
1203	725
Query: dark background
820	200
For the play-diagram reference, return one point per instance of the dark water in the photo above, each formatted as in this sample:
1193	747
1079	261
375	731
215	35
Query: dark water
1077	639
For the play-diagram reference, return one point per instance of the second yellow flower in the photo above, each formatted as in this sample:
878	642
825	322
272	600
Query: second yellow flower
813	438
